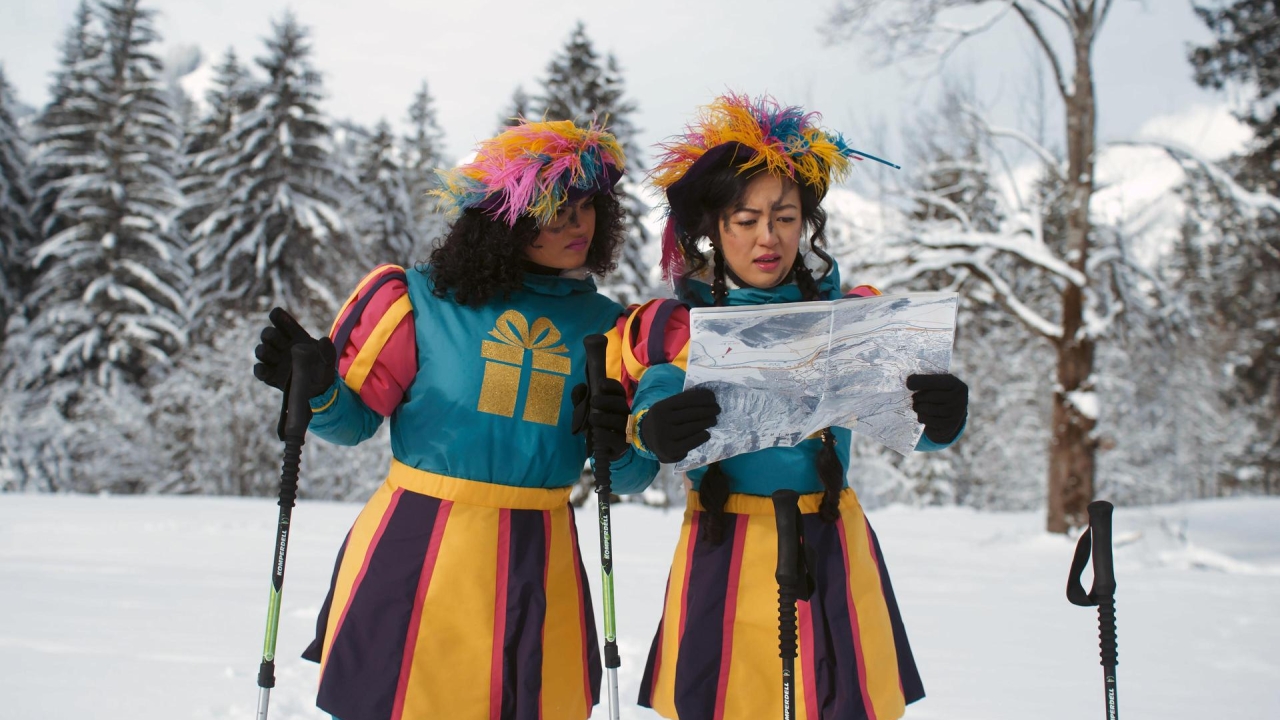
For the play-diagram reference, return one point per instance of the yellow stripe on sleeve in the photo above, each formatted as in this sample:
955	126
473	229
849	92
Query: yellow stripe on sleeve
613	354
363	364
634	367
376	273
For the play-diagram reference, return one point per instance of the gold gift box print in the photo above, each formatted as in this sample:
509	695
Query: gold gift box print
502	372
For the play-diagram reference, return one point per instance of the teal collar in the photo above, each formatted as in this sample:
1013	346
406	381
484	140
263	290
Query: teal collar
558	284
698	292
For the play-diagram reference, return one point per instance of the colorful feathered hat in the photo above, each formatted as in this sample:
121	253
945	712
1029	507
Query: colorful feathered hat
532	169
750	134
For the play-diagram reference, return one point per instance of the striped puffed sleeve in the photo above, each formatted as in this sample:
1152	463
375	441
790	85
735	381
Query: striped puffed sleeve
655	353
373	334
654	333
863	291
632	472
377	359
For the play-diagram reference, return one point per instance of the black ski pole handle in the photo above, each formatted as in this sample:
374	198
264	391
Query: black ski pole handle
790	572
596	346
298	405
1095	542
1104	571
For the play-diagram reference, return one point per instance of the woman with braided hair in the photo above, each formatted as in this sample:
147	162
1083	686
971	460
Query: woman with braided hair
744	187
459	591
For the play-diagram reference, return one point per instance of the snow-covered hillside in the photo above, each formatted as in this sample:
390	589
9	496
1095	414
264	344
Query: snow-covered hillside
152	608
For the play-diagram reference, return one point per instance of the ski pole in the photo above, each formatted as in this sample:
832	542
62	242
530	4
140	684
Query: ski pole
292	430
595	346
1102	595
791	586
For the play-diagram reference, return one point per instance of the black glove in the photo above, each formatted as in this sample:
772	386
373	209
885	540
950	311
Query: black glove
607	419
941	402
275	355
678	424
315	365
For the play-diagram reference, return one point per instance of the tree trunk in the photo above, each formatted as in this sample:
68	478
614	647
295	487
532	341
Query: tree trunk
1072	448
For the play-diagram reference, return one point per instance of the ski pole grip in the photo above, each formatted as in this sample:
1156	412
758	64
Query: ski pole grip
1104	575
298	415
596	346
790	575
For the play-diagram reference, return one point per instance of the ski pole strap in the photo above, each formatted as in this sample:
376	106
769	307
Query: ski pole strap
1095	541
284	408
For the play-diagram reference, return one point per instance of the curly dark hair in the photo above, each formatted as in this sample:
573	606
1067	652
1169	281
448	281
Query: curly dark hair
716	193
481	258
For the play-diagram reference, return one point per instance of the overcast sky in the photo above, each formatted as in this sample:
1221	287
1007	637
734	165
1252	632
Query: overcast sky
675	54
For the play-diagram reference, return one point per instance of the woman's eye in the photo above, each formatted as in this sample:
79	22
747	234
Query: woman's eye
785	219
746	223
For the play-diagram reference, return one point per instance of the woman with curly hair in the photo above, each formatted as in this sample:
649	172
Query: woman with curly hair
459	591
744	187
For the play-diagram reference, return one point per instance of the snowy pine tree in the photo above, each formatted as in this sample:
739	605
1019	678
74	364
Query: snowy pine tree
278	238
64	137
580	87
108	297
106	306
17	232
1246	53
423	153
1246	296
208	141
424	146
384	218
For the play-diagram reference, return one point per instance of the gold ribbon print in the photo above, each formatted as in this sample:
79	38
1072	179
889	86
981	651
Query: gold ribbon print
505	368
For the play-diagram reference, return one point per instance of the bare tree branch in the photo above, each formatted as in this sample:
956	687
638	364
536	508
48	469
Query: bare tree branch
1034	252
1061	13
1106	8
1053	163
1008	299
1029	19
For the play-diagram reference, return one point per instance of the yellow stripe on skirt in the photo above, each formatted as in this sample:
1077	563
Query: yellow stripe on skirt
715	655
459	599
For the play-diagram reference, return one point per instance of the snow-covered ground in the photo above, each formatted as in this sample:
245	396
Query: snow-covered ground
152	608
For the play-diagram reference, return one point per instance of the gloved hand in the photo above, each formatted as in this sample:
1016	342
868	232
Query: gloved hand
281	340
606	417
678	424
941	402
315	364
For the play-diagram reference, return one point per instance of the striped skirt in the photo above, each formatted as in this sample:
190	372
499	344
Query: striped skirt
458	599
715	655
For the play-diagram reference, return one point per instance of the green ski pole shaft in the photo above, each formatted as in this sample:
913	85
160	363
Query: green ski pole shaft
297	416
595	346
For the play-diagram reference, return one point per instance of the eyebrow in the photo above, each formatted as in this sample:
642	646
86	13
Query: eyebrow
743	208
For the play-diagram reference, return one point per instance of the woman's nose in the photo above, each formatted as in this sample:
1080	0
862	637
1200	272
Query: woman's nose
768	236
